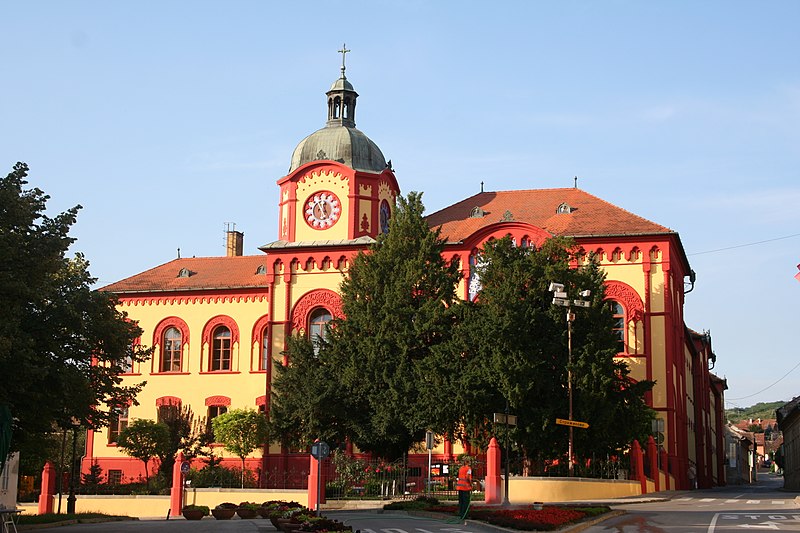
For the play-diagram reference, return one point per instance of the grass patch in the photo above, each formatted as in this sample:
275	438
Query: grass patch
52	518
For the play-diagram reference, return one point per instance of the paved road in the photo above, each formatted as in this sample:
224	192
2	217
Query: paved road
366	521
721	510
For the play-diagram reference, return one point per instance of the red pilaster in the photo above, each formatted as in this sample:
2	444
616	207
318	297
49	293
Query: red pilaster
652	456
48	488
493	480
176	493
637	461
448	449
665	466
316	479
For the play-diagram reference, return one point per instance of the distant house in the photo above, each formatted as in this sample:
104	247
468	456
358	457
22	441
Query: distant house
789	423
740	448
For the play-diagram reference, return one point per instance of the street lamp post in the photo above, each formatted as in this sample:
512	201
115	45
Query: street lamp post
561	298
71	498
509	421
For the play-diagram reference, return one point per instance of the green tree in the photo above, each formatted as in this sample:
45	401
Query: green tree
187	433
308	401
514	342
64	344
398	300
144	439
240	431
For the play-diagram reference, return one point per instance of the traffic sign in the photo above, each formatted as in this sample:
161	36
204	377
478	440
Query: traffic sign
320	450
573	423
185	466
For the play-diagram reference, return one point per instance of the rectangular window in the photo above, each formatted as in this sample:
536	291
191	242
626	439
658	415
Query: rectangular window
114	477
118	422
264	351
168	412
213	412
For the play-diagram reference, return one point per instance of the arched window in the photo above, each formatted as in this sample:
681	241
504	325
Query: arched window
221	349
619	324
171	350
318	325
264	362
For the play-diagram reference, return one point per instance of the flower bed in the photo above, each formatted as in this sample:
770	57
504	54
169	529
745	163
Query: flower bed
549	518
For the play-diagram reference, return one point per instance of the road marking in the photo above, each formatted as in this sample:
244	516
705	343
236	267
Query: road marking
393	530
772	520
777	502
682	499
732	501
708	499
424	530
762	525
755	502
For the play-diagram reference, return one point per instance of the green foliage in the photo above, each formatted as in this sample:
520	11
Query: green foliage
762	410
94	476
308	401
187	434
240	431
64	344
398	302
144	439
514	346
203	508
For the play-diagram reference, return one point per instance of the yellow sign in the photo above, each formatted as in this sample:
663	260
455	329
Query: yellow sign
573	423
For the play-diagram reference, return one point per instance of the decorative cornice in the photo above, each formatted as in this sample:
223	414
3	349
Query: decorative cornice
218	400
312	300
192	299
168	400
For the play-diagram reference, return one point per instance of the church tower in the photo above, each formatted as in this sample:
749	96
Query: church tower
339	186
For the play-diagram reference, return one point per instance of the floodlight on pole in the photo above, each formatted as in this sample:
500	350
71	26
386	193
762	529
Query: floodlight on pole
561	298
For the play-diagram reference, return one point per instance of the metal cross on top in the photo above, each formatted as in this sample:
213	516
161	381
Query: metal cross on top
343	51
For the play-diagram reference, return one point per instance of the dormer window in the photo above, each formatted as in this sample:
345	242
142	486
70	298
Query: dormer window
261	270
564	209
477	212
184	273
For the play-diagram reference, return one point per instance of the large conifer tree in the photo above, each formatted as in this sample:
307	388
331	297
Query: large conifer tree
518	348
397	302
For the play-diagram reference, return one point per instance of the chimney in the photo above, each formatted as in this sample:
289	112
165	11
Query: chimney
234	243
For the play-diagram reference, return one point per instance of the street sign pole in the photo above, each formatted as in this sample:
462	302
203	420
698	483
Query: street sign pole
319	451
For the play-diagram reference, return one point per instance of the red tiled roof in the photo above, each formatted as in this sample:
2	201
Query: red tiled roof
204	273
589	216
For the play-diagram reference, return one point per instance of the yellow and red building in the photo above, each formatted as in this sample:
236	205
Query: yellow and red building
218	324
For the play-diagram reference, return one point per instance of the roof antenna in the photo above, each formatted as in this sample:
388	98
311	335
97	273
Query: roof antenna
481	186
576	182
179	253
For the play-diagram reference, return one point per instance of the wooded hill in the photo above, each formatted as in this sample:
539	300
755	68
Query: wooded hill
760	410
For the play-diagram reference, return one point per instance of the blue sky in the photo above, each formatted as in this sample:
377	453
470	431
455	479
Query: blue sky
167	119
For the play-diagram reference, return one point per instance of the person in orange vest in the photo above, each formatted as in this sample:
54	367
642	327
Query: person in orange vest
464	488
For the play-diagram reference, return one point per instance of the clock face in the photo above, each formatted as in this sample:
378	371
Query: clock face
322	210
385	214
